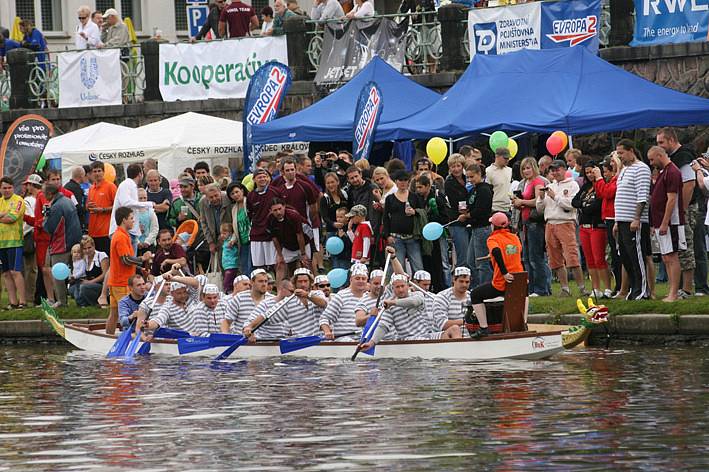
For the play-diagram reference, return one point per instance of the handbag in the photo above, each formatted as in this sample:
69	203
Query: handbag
214	273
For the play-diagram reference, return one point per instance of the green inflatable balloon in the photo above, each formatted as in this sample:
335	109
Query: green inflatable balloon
42	162
498	139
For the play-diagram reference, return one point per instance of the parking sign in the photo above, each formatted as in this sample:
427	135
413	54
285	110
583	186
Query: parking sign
196	17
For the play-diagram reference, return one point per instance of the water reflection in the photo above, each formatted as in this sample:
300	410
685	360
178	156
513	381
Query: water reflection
597	410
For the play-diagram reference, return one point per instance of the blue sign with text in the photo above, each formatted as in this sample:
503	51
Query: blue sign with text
196	18
670	21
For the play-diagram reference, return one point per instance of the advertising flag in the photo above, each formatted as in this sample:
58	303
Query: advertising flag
22	147
369	109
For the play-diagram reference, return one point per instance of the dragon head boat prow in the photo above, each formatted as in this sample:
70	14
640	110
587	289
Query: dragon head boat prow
594	315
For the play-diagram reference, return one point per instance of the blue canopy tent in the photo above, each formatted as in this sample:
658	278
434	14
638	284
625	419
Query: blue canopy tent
332	118
567	89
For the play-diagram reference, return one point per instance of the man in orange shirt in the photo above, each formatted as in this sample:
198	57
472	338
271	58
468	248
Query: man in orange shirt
123	264
506	257
100	205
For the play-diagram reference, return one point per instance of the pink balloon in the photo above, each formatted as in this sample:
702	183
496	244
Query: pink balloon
555	145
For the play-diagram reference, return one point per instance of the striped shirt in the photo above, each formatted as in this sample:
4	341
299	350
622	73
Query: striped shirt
207	320
272	328
239	309
340	312
430	310
301	320
410	321
448	307
173	316
633	187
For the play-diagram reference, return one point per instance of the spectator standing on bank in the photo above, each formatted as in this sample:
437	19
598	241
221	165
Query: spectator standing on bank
115	32
87	32
632	224
242	225
214	210
34	40
457	195
499	175
32	186
63	226
291	244
236	21
212	23
161	197
12	210
148	224
435	204
100	205
266	19
293	6
479	205
399	215
560	231
152	164
127	196
359	191
605	186
187	206
74	186
281	15
362	8
258	206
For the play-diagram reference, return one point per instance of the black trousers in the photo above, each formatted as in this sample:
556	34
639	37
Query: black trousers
633	247
484	292
615	258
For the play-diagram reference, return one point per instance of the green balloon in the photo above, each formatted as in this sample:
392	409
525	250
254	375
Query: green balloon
498	139
42	162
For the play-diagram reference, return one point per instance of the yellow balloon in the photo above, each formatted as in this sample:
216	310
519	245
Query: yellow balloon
437	150
563	136
512	147
109	172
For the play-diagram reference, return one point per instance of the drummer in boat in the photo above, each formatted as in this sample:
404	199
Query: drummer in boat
506	257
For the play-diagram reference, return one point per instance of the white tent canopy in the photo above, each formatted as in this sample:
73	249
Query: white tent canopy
176	143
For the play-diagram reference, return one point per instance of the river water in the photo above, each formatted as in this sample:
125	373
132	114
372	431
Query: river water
618	409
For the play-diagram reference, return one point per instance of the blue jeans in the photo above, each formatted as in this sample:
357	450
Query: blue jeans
461	239
481	271
410	248
86	294
445	262
245	259
535	259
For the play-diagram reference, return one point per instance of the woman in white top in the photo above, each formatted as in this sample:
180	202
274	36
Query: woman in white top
266	19
96	269
148	222
87	32
362	9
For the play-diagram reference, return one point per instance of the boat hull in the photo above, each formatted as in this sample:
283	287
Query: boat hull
528	345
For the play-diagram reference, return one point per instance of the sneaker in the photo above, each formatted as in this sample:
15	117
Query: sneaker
596	294
480	333
607	293
584	292
699	293
565	292
533	295
683	295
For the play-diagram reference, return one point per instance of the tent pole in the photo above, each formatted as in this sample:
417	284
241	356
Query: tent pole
571	142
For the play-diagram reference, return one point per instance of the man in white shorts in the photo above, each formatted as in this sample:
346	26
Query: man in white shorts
258	206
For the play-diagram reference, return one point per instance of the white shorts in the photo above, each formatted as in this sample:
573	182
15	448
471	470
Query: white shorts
292	256
316	238
672	241
263	253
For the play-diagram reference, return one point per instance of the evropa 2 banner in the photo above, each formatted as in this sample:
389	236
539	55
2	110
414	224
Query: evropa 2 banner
215	69
670	21
537	25
266	91
348	48
369	109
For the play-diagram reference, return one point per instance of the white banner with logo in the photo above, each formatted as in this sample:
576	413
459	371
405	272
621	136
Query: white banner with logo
503	30
89	78
215	69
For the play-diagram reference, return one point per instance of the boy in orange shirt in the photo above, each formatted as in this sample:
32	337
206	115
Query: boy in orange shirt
123	264
100	204
506	257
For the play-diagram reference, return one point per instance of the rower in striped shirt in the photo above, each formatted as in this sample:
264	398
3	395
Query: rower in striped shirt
207	315
304	311
452	303
339	316
174	313
322	283
276	324
405	314
422	279
240	307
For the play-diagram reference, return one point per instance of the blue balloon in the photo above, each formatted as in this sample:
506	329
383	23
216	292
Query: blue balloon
61	271
337	277
334	245
432	231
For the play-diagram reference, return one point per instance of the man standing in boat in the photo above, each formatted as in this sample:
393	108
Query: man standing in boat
506	256
240	307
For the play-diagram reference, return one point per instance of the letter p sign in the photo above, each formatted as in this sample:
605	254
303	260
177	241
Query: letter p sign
196	17
486	38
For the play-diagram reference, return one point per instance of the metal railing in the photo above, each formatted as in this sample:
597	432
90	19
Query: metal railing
43	79
423	45
5	90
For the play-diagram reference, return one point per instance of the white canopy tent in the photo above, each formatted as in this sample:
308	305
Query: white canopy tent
176	143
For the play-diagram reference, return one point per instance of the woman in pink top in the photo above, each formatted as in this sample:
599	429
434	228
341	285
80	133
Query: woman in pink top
533	242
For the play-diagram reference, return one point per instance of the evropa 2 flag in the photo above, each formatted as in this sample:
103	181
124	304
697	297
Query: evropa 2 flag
266	90
369	110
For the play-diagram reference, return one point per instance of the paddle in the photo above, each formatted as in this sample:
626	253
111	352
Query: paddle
133	346
228	351
295	344
426	293
368	325
367	334
119	347
169	333
192	344
223	339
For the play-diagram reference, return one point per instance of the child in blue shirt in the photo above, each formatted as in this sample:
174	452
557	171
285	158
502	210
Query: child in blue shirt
230	255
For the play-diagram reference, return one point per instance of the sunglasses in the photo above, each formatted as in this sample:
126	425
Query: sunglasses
83	17
323	285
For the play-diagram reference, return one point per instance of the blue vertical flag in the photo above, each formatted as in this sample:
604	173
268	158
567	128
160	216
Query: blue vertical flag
266	91
369	109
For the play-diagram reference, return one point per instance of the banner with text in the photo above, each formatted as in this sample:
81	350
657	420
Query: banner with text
89	78
670	21
216	69
347	49
538	25
369	109
22	147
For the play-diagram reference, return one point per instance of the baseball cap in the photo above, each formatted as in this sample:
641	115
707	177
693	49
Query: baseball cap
33	179
357	210
557	164
499	219
186	179
110	12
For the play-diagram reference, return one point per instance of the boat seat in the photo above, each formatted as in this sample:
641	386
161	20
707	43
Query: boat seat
515	304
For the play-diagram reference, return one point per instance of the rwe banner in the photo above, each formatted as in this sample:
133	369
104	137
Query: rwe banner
90	78
23	146
670	21
346	50
537	25
215	69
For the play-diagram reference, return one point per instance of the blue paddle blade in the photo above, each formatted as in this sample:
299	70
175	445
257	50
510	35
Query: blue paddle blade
144	349
168	333
192	344
228	351
369	323
119	347
133	346
290	345
223	340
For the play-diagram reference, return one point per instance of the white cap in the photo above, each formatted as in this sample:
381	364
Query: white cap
321	279
376	273
201	279
256	272
303	271
359	269
111	12
422	275
240	278
399	278
461	271
210	289
177	285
